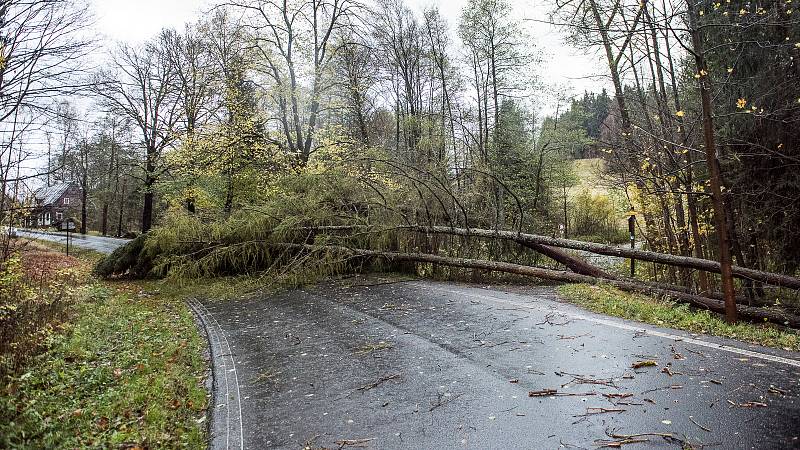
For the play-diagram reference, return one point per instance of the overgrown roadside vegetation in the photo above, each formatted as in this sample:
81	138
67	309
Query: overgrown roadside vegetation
120	366
662	312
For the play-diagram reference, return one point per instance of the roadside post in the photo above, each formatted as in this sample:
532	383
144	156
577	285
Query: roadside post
68	224
632	233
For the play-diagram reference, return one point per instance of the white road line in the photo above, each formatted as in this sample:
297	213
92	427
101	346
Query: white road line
216	346
215	331
624	326
235	378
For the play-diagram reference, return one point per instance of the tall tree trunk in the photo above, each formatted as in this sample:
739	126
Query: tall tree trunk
691	198
147	209
84	188
481	142
104	220
712	162
121	209
228	192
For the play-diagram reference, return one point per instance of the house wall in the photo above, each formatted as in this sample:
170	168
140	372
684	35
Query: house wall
52	214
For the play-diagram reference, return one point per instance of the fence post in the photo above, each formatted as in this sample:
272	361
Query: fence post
632	232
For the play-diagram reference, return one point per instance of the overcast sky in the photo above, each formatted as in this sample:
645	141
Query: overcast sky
564	66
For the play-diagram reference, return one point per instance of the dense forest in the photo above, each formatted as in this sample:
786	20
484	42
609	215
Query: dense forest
264	119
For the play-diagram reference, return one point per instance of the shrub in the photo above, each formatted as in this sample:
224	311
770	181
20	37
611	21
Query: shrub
31	307
595	218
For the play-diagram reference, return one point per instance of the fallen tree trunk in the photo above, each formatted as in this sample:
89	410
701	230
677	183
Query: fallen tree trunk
753	313
571	262
610	250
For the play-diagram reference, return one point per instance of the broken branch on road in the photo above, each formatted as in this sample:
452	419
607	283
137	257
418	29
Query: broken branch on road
342	443
443	399
691	419
555	393
592	410
380	381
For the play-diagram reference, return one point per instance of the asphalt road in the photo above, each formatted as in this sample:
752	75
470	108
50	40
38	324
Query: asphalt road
428	365
100	244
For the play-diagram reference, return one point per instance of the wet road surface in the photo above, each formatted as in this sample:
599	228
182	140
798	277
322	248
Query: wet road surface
101	244
424	365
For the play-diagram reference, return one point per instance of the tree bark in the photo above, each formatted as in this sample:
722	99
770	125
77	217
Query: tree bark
610	250
573	263
712	162
147	210
84	199
121	209
149	182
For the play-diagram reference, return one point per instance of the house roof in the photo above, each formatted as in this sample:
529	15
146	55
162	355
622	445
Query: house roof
50	194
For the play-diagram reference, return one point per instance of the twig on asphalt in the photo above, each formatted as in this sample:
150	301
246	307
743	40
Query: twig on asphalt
342	443
380	381
621	442
563	337
669	437
691	419
669	371
555	393
673	386
443	400
592	410
578	379
370	348
548	319
751	404
776	390
620	395
695	352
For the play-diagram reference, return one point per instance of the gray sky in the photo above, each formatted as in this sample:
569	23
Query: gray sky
564	66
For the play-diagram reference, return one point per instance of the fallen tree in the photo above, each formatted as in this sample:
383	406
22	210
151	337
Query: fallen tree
749	312
571	262
610	250
187	254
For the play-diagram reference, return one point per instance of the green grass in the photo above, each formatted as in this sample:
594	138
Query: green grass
609	300
588	171
126	372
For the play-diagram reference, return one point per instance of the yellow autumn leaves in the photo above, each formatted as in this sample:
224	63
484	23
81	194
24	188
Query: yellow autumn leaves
741	103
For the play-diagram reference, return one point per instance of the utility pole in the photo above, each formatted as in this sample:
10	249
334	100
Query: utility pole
715	177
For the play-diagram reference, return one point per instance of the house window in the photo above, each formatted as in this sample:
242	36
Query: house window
59	215
66	200
47	218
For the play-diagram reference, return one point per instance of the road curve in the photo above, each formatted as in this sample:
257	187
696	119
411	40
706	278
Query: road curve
101	244
420	364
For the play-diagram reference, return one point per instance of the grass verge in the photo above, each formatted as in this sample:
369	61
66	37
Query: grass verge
87	255
609	300
124	370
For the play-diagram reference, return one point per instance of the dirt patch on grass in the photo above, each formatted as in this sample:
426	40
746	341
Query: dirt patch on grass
44	264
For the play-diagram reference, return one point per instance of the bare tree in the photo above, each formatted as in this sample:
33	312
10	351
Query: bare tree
43	44
142	85
297	41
